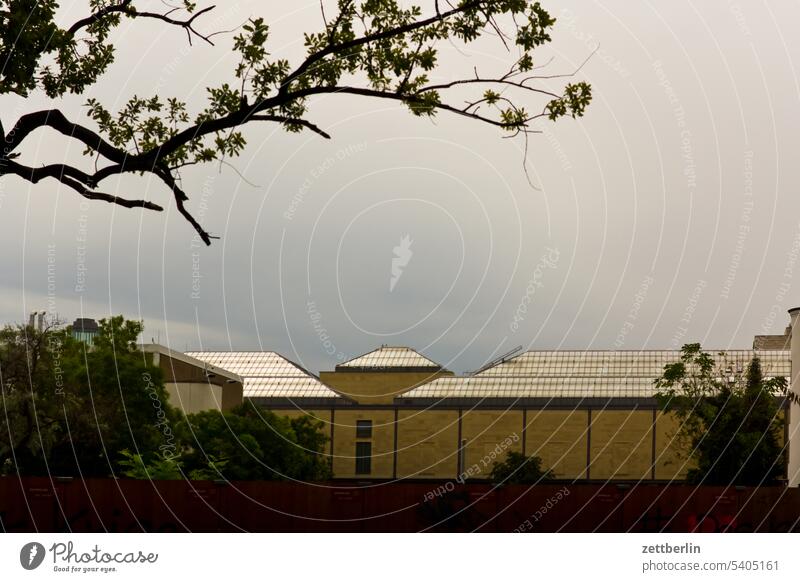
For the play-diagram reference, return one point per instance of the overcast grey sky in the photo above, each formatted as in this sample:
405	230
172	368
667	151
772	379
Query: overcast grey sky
669	213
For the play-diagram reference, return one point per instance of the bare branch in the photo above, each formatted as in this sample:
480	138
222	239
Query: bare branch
125	7
73	178
55	119
501	81
563	75
291	120
94	195
180	198
414	100
34	175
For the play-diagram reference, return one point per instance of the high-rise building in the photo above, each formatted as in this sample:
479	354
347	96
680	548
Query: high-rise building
85	329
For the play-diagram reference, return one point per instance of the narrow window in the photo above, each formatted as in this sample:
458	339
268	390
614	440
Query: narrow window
363	458
363	429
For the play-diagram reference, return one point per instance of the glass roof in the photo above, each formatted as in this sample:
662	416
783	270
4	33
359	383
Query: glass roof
276	387
530	387
268	374
626	364
390	357
585	374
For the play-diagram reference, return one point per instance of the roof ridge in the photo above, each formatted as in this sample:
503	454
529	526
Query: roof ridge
425	360
642	351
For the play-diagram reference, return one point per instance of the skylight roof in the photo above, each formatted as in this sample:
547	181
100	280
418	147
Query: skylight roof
626	364
268	374
391	357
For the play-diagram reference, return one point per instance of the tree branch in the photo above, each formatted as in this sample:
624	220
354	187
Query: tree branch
125	7
181	197
413	99
55	119
292	121
366	39
94	195
500	81
73	178
149	161
284	101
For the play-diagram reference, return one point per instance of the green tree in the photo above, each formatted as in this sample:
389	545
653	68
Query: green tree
70	410
32	380
73	410
250	443
730	422
517	468
372	49
126	403
135	466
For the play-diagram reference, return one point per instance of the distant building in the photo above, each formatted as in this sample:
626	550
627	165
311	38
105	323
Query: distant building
393	413
85	329
773	342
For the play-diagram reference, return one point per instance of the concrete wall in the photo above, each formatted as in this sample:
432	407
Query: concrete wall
192	390
793	432
191	397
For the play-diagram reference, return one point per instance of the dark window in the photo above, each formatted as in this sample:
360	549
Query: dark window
363	458
363	429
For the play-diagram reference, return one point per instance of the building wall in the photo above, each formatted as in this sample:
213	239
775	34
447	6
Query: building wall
376	387
232	395
621	444
192	397
194	387
427	444
486	436
614	444
560	438
671	462
382	441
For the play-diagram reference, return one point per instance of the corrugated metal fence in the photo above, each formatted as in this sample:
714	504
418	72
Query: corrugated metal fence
96	505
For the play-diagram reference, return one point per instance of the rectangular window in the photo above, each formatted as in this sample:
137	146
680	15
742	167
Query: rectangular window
363	429
363	458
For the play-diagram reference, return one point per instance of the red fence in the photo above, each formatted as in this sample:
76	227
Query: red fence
41	504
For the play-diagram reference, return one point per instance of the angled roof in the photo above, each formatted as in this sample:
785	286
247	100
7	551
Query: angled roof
531	387
187	359
268	374
584	374
772	342
625	364
393	357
